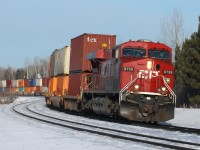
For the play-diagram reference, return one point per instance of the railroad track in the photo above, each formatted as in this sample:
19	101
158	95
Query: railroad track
113	133
167	127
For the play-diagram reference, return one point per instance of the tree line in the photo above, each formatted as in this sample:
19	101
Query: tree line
37	68
186	58
187	70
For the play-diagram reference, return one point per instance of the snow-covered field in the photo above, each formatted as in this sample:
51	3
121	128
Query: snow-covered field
186	117
20	133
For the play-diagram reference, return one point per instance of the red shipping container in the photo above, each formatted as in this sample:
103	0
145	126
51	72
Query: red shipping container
45	81
26	83
84	44
38	89
8	83
76	83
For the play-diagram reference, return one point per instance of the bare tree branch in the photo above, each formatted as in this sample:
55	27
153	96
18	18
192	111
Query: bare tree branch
172	30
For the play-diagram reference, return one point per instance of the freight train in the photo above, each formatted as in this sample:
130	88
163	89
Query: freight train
24	86
133	80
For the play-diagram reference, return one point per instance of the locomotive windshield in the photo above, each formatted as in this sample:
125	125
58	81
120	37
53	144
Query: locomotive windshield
160	54
134	52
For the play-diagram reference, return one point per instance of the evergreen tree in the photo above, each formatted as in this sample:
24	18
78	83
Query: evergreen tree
188	67
9	74
179	60
179	86
20	74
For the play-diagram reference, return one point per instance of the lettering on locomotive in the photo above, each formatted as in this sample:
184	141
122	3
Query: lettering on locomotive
168	72
147	74
129	69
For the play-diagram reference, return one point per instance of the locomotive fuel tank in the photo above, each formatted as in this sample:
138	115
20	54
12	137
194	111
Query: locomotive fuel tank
104	106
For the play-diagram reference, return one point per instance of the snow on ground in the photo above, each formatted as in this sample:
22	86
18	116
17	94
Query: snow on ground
186	117
41	108
20	133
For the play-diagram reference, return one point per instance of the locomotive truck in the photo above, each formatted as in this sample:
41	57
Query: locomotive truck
133	80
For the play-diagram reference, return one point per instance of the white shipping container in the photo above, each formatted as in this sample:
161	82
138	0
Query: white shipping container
62	61
3	83
53	68
44	89
38	82
14	83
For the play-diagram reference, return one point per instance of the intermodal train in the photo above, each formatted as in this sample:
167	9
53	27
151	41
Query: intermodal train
27	87
132	80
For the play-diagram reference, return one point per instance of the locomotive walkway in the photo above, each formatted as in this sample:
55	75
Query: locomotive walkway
26	110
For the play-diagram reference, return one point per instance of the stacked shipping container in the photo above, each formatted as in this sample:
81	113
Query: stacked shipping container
79	65
24	86
87	43
3	83
62	61
3	86
59	71
65	69
45	84
62	85
14	87
21	86
8	83
52	85
59	62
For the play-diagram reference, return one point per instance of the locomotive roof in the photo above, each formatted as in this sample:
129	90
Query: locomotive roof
147	45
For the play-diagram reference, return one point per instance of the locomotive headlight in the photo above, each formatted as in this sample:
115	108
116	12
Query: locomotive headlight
149	64
163	89
136	87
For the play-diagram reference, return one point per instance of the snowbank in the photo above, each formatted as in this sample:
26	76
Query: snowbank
186	117
7	99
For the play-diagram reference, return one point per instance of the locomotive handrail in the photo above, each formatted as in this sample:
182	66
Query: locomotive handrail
170	90
131	81
126	87
122	90
87	86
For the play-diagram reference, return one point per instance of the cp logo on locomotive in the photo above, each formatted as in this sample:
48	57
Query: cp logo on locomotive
147	74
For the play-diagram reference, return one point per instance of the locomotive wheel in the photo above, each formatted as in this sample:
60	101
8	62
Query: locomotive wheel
48	101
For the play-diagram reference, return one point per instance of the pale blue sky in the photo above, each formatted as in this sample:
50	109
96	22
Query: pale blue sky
31	28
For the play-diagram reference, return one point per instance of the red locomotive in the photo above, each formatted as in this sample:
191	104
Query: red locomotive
133	80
